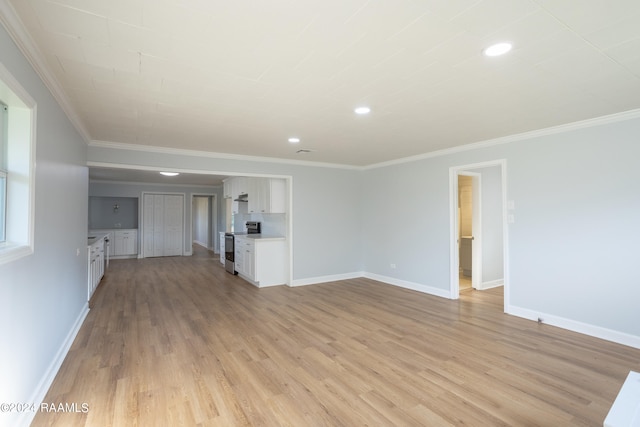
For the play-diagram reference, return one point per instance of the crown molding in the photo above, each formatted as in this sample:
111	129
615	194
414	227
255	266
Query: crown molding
214	155
582	124
18	33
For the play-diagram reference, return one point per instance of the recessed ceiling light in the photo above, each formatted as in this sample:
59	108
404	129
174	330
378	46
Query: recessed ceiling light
169	173
294	140
362	110
497	49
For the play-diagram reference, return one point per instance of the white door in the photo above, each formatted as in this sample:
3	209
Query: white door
158	225
163	225
173	224
147	230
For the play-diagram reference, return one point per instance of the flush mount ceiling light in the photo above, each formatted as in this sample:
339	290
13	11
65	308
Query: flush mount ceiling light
362	110
294	140
169	173
497	49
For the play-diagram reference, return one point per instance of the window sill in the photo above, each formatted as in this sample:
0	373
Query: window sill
10	252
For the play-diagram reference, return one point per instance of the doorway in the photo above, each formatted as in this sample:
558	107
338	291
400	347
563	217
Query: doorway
478	227
204	224
469	230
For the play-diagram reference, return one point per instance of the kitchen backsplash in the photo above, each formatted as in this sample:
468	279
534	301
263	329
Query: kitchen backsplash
272	224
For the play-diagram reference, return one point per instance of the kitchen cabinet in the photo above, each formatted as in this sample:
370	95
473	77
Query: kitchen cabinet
261	261
222	247
267	195
119	243
238	254
96	260
235	186
125	242
244	259
227	185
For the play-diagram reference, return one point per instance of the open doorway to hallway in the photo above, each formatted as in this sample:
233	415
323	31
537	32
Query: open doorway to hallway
478	228
469	230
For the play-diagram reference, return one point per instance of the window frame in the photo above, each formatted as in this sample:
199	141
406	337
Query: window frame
19	147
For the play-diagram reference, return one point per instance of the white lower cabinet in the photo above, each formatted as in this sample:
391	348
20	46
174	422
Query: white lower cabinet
122	242
125	242
222	247
96	259
261	262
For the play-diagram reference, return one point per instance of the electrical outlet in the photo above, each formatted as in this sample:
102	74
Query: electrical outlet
393	265
77	251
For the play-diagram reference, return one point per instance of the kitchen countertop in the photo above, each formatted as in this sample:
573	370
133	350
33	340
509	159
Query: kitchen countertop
95	237
259	236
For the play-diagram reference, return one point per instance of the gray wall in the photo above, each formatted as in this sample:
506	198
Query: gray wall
102	213
43	296
572	247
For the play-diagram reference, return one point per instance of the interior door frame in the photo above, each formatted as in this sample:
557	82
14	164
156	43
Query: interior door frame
454	285
213	217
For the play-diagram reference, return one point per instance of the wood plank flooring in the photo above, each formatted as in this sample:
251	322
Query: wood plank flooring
180	342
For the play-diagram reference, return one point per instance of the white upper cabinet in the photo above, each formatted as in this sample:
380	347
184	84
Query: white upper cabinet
227	188
267	195
235	186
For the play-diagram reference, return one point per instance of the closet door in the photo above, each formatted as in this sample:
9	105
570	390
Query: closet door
163	225
173	224
158	225
147	230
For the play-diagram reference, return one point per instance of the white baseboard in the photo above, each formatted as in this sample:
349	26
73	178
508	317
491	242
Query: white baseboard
491	284
41	390
576	326
325	279
444	293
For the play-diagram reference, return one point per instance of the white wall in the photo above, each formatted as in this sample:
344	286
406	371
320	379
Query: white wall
572	247
43	296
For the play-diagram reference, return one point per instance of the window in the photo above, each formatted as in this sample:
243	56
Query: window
3	171
17	180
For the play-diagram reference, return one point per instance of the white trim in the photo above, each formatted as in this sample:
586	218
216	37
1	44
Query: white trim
326	279
214	155
582	124
157	184
21	143
491	284
41	390
21	37
576	326
181	170
409	285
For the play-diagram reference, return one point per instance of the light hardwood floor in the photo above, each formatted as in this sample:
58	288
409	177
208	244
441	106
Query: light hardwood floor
178	341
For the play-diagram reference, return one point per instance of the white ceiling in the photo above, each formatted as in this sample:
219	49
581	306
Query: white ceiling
242	76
